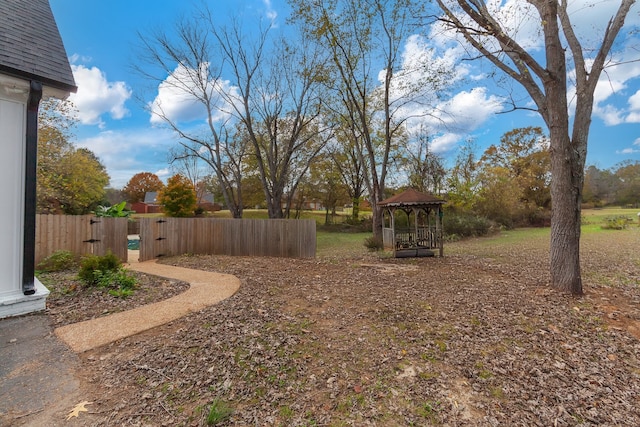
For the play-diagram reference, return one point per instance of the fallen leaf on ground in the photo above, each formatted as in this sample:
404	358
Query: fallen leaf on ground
80	407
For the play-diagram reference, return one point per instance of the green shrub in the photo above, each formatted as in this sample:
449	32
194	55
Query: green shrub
616	223
57	261
118	278
373	243
115	211
460	225
93	263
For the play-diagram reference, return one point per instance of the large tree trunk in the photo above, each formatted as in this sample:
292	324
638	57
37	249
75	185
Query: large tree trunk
566	196
566	169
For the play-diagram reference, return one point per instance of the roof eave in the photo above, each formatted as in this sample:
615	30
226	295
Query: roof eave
65	87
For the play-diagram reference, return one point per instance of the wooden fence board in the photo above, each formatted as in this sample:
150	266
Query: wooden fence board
81	235
238	237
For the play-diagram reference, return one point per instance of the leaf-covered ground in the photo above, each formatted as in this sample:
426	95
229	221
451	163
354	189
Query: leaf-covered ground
472	339
72	301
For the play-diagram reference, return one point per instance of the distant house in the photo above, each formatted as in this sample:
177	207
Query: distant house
208	204
33	66
149	205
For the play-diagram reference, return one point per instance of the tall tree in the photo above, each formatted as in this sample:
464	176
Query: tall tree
546	80
140	184
277	102
346	155
190	57
425	168
364	39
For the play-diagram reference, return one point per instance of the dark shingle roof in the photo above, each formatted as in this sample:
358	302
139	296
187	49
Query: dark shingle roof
411	197
30	44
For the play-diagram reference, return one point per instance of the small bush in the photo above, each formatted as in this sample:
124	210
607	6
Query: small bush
119	278
57	261
93	263
616	223
373	243
461	225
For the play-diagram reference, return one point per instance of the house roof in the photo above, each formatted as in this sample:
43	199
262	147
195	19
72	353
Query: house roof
151	197
411	197
30	44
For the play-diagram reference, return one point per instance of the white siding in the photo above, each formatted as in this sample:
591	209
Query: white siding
12	146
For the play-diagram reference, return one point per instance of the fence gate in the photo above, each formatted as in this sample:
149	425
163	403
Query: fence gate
80	234
153	238
109	234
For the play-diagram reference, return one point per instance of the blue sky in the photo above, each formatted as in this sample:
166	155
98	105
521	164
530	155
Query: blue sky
102	43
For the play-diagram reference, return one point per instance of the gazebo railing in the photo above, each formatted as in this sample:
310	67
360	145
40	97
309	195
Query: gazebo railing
408	238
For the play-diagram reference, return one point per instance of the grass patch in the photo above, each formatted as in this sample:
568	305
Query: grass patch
340	244
219	412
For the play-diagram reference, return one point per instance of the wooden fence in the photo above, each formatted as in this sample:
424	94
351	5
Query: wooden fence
80	234
240	237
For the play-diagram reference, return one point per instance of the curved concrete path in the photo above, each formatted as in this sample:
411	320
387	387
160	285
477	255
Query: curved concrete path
207	288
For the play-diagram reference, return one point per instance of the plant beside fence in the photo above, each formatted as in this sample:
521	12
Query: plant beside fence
80	235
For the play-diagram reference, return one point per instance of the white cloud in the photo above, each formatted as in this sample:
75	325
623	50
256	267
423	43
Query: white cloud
452	120
631	150
125	153
163	173
97	96
75	58
178	94
269	11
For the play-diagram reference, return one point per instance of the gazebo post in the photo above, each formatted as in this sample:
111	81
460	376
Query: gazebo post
415	223
393	230
440	231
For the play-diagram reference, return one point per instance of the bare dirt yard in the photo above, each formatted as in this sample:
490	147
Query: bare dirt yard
354	339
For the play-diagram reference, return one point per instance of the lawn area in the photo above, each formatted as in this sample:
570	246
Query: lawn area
355	338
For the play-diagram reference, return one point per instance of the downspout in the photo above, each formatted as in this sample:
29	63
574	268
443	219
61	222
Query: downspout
31	161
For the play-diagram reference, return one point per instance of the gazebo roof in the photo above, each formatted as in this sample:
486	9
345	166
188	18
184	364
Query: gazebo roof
411	197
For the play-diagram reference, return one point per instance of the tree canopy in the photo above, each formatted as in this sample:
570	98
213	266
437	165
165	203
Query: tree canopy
70	180
140	184
178	197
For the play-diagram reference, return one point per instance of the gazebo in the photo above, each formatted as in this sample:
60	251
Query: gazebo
421	234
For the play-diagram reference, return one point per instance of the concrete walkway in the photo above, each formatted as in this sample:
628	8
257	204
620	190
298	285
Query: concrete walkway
207	288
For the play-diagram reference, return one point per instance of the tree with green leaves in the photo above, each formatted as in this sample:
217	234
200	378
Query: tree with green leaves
178	197
70	180
518	167
548	80
463	180
628	191
599	186
327	185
